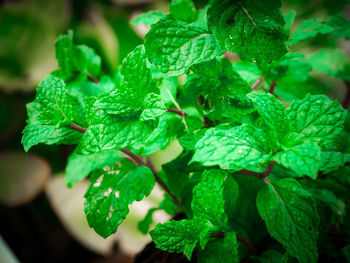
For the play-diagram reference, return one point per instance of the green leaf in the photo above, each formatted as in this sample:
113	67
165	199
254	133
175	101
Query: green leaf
329	61
177	173
253	30
237	148
174	46
167	205
34	134
110	193
79	166
332	161
273	115
50	115
304	159
115	133
148	18
168	127
289	19
76	58
341	26
248	71
183	10
223	250
177	236
291	217
136	93
154	107
168	90
316	119
208	201
231	195
310	28
145	224
218	83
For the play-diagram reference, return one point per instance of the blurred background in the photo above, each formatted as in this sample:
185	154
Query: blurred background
41	220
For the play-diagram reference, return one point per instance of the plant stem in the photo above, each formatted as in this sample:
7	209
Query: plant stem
272	87
138	162
91	78
249	244
262	175
346	101
257	83
218	235
181	113
150	165
77	128
205	119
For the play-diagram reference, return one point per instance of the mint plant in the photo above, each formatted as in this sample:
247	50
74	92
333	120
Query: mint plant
261	175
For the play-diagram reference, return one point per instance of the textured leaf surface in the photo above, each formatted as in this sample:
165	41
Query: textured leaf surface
332	161
217	82
223	250
136	93
316	119
304	159
50	115
115	134
291	217
251	29
208	201
273	114
177	236
79	166
110	193
310	28
174	46
240	147
49	134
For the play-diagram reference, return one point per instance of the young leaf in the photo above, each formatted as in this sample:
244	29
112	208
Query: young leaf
208	201
50	115
332	161
223	250
316	119
72	58
136	93
291	217
174	46
79	166
111	192
251	29
304	159
177	236
237	148
310	28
